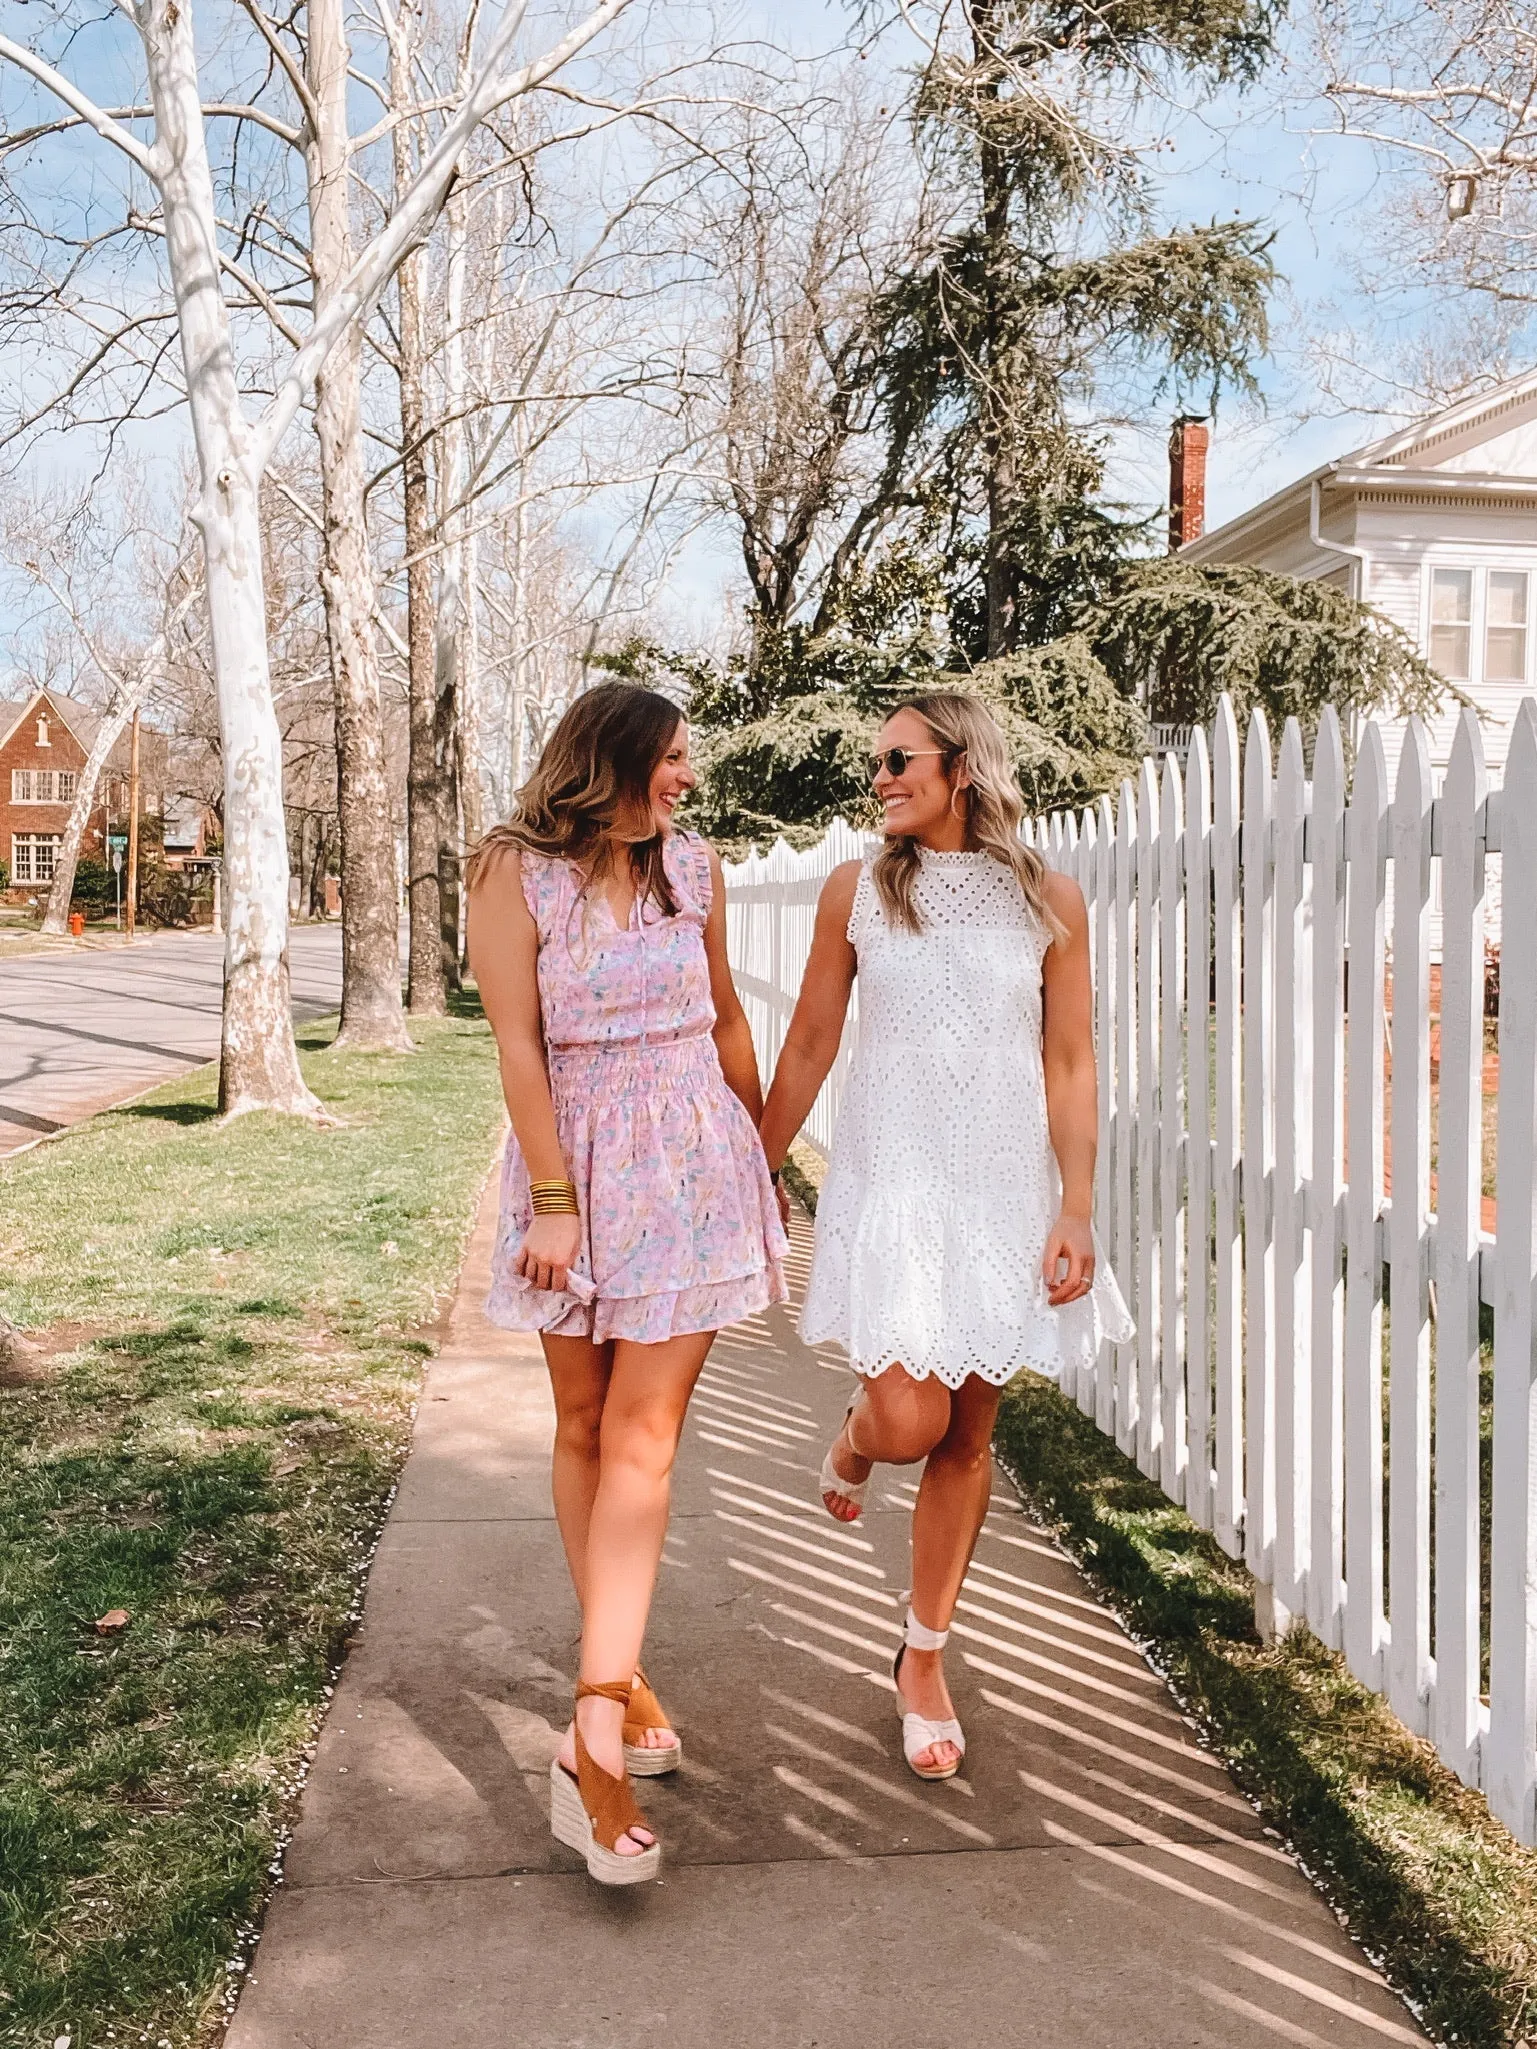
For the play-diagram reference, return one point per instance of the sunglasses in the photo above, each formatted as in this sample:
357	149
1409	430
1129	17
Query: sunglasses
895	759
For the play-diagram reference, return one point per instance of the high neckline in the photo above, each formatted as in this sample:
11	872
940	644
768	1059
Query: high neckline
957	858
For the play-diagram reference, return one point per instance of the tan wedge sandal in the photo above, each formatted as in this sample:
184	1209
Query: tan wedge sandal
648	1760
590	1809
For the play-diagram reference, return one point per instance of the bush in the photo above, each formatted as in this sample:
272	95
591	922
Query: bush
93	889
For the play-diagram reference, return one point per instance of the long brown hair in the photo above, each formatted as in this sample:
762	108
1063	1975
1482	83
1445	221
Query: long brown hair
595	773
963	726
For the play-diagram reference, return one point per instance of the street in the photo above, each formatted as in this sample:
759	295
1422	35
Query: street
81	1031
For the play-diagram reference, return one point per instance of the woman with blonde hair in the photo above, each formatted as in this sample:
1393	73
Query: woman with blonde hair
638	1215
953	1241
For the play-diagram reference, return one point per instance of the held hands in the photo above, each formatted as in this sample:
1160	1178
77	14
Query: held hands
1068	1264
549	1251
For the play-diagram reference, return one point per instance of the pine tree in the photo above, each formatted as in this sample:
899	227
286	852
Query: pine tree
1053	276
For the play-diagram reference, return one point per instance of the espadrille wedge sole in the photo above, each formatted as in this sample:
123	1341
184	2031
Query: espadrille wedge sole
648	1760
590	1809
571	1824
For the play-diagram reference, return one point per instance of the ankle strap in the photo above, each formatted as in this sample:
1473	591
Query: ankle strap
604	1689
919	1638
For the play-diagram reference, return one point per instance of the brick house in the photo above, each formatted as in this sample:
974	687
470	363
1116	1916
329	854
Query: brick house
43	745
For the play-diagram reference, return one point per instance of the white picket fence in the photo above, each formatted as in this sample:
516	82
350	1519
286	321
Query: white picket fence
1241	1073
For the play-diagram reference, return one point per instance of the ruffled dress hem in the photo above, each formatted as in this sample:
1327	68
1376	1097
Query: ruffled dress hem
640	1319
1052	1342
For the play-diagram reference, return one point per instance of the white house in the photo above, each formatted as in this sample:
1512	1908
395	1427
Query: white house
1435	525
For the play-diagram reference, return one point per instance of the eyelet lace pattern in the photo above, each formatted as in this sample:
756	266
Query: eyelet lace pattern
932	1222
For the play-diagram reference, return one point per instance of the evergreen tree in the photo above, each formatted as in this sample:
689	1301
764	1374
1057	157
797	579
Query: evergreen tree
1186	632
1053	275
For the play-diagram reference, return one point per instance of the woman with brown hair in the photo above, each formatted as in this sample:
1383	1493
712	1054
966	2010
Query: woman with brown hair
638	1215
953	1241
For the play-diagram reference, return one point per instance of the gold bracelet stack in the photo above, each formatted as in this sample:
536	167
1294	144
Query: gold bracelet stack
553	1198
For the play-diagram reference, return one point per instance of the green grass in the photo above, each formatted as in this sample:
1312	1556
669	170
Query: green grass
1412	1862
233	1322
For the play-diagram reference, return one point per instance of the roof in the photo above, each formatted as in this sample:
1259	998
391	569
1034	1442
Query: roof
1425	458
83	720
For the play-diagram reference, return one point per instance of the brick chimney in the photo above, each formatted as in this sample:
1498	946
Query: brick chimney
1187	480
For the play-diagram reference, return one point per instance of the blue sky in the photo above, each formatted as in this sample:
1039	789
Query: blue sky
1251	155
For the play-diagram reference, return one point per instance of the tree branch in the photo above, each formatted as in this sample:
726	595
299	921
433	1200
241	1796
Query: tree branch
77	102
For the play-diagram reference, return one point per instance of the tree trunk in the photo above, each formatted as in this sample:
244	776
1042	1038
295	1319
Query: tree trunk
259	1063
457	645
997	438
423	796
446	746
120	709
317	874
372	1015
468	757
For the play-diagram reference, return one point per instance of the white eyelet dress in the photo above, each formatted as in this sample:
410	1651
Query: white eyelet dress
942	1186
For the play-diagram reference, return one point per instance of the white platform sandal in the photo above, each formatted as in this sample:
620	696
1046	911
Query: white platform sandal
918	1733
831	1481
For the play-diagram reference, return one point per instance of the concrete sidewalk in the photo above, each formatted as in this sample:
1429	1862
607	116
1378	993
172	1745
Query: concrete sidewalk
1092	1881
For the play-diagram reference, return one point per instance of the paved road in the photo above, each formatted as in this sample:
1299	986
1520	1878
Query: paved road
81	1030
1092	1881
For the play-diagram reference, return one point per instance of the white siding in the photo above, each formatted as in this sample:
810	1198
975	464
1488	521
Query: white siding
1395	591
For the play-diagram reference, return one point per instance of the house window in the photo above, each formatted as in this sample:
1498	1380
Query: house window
43	785
42	732
34	856
1451	622
1505	627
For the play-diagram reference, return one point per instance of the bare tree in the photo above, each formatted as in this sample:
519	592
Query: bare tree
123	595
259	1065
808	226
541	387
128	684
1446	92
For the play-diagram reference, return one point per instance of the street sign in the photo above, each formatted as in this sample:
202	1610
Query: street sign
117	860
117	841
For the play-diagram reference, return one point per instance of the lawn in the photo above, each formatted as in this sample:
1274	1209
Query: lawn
232	1323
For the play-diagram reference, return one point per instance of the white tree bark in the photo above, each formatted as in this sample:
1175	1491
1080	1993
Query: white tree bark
259	1066
126	695
372	1014
453	596
427	996
259	1062
119	711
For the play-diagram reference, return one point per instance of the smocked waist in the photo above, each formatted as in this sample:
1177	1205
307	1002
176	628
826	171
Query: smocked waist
622	1066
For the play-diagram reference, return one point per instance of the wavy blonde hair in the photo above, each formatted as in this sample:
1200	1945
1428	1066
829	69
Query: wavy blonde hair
595	772
963	727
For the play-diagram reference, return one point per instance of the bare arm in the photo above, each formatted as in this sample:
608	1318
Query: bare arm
733	1034
1072	1103
816	1029
504	955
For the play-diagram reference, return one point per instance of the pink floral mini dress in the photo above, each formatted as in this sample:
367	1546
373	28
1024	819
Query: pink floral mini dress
680	1229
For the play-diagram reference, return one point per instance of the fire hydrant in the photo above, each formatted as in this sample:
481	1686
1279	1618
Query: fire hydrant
76	924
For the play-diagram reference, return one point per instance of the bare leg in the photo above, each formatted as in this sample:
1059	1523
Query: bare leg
895	1421
579	1375
952	1501
648	1395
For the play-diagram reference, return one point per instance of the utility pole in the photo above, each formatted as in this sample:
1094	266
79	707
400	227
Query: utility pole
133	827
